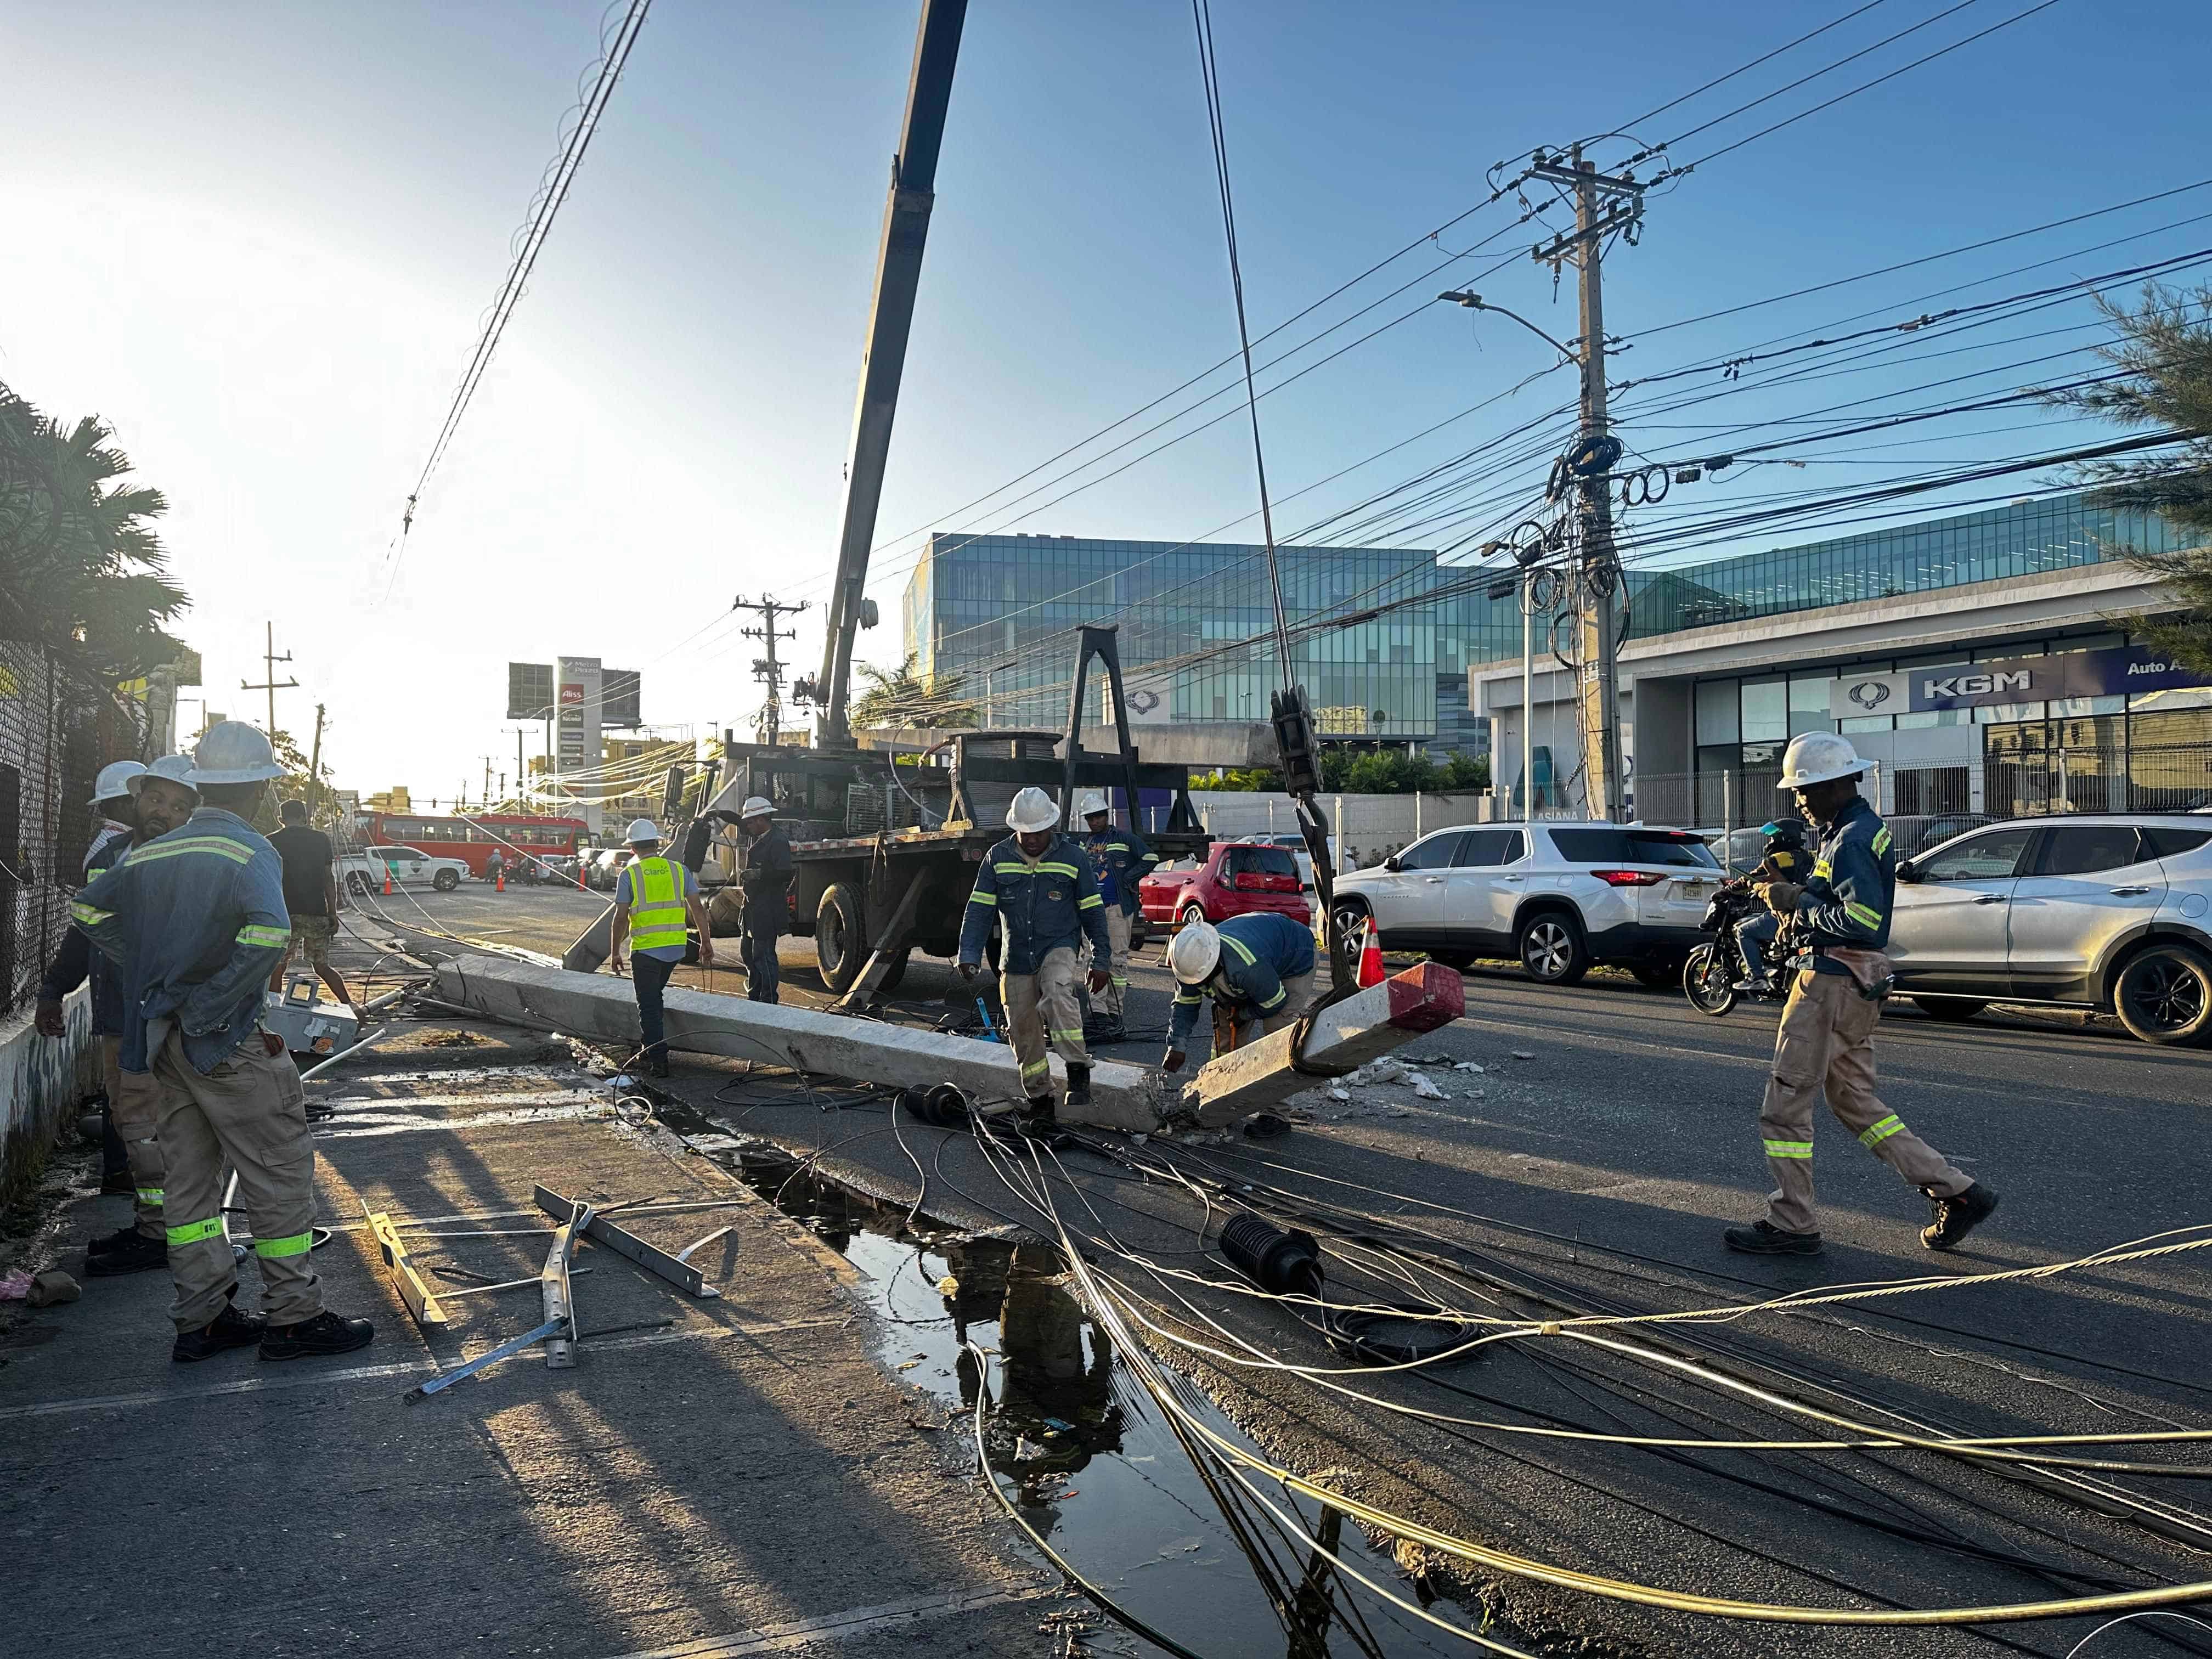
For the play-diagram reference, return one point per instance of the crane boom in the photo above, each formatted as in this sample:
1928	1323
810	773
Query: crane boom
898	278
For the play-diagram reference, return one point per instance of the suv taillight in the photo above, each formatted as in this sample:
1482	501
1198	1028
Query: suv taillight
1629	877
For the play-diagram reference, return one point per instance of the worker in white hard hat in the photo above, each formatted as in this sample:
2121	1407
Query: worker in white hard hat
1119	859
1834	925
194	922
764	878
1258	968
1038	887
654	898
136	817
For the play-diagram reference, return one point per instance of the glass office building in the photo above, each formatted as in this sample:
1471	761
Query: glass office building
999	614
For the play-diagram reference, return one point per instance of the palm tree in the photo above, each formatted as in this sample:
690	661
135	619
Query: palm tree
81	564
899	696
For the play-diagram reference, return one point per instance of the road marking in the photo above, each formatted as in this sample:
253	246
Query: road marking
400	1368
853	1621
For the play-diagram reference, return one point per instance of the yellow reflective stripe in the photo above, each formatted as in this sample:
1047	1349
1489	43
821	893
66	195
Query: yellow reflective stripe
1030	1068
194	1233
1875	1132
1241	950
274	938
1862	914
84	915
149	1195
170	847
1820	869
1187	999
296	1244
1089	903
1790	1149
1881	839
1074	1036
1068	870
1118	980
982	898
1269	1002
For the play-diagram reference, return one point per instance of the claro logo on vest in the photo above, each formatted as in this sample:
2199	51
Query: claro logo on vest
1977	685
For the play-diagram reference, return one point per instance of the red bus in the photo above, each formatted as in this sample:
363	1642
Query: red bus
473	838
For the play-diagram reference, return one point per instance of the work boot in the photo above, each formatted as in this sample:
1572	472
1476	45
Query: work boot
115	1240
1958	1215
1763	1237
134	1254
656	1066
326	1334
228	1329
1078	1085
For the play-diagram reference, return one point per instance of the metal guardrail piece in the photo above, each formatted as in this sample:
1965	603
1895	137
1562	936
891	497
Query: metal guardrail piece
600	1230
422	1302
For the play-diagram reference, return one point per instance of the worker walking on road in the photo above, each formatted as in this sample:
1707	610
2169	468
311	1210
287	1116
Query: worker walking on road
194	922
1038	886
1834	925
1120	859
1259	968
655	896
311	894
765	881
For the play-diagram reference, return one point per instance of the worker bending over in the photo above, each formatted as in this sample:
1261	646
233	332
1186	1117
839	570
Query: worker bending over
1834	925
765	881
1259	969
655	898
1038	886
194	922
1120	859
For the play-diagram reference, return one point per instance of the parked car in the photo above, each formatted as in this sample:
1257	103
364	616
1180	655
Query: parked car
1915	833
1236	877
408	867
1562	897
1297	845
2108	911
606	865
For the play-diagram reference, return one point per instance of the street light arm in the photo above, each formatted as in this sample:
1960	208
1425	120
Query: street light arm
1476	302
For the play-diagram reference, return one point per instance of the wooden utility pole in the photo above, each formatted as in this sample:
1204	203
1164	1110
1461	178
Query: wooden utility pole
767	669
270	684
315	765
1604	204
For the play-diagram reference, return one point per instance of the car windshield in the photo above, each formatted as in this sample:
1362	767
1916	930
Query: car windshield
1259	861
1605	844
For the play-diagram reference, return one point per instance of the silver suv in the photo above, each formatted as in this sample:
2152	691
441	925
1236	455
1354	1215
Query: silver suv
2109	911
1562	897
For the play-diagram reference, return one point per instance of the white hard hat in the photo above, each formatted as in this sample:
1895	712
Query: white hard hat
233	752
1818	757
1032	810
1194	953
642	830
757	806
175	769
114	780
1091	801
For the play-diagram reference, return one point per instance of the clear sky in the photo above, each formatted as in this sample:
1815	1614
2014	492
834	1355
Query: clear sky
258	240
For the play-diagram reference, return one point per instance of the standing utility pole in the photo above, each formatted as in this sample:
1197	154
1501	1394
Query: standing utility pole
521	776
1604	204
315	764
272	685
768	669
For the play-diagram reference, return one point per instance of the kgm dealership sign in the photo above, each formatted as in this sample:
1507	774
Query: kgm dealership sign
2015	680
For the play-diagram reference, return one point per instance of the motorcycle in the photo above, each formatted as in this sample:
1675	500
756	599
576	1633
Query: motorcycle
1716	976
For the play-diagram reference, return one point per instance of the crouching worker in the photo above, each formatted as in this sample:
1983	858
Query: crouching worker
1259	969
1038	886
194	923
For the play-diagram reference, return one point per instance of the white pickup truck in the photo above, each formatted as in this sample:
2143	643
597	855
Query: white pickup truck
408	867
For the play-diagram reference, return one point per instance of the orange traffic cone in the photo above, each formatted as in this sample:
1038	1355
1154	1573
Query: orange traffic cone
1371	957
387	881
501	887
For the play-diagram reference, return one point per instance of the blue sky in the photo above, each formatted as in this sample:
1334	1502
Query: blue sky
258	240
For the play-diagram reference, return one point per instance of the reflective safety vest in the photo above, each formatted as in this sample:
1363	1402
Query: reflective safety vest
657	911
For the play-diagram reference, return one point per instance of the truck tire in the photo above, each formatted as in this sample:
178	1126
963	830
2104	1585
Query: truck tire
841	941
356	882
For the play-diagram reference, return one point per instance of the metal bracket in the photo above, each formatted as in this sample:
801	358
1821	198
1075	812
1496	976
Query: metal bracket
422	1302
600	1230
553	1285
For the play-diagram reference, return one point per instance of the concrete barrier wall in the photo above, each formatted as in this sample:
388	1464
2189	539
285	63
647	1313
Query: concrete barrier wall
1366	826
42	1082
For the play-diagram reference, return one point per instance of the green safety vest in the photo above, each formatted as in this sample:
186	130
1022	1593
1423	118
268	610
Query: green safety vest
657	911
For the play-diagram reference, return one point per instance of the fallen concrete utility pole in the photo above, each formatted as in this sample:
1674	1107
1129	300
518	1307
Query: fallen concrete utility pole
602	1009
1344	1034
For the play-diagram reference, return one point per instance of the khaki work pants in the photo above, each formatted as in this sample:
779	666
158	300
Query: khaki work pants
134	1106
1826	1042
1117	939
1043	1014
250	1112
1297	993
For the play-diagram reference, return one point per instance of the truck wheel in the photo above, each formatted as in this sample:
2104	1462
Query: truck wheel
840	946
445	881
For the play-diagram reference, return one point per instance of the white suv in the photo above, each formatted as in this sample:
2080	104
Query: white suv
1562	897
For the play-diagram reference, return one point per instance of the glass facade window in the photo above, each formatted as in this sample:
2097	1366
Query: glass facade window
1766	710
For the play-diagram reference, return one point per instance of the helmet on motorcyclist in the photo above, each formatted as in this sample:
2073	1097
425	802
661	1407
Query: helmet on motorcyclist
1785	844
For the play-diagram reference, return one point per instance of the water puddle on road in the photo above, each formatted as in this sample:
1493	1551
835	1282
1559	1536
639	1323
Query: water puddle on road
1085	1453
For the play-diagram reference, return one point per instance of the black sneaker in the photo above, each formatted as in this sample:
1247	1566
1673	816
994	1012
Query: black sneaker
326	1334
1763	1237
115	1240
1958	1215
136	1254
229	1329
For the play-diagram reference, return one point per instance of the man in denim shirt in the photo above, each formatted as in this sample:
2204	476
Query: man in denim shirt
195	922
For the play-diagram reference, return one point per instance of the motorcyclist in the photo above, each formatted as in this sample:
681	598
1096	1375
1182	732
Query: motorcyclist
1782	857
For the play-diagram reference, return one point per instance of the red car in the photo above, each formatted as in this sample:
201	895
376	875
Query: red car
1235	878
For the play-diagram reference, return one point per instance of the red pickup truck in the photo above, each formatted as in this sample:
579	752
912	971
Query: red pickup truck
1235	878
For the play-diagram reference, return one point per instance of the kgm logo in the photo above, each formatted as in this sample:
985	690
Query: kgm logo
1977	685
1868	694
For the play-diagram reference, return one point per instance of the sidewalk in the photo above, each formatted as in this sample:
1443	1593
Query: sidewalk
731	1475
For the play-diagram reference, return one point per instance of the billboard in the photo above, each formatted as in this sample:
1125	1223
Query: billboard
619	699
529	690
2012	680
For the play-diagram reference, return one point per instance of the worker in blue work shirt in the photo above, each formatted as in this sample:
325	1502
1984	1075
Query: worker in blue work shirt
1259	968
1834	925
1119	859
1038	887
